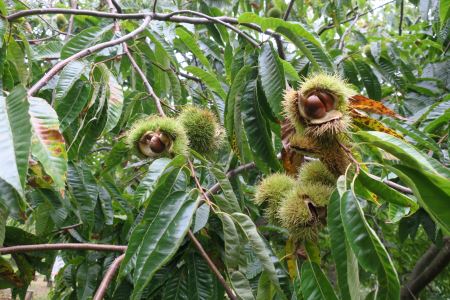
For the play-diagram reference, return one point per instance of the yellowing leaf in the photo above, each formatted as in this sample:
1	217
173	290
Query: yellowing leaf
366	104
372	124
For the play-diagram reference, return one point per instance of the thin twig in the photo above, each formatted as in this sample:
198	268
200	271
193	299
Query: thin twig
73	5
146	82
331	25
349	155
346	32
155	2
199	185
67	228
212	266
288	10
60	65
400	23
217	20
109	276
61	246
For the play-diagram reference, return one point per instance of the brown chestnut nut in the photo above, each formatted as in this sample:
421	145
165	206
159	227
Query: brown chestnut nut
156	144
313	107
327	100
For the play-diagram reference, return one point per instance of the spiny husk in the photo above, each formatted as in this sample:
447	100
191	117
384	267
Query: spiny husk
202	129
316	172
167	125
332	83
294	211
318	192
271	191
330	128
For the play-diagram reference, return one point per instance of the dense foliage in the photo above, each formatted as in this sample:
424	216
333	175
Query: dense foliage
73	84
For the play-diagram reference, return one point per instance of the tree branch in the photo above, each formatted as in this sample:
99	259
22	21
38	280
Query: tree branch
434	265
61	246
211	265
109	276
60	65
135	16
400	24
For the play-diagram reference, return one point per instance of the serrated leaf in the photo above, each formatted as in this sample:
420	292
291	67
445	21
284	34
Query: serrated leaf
369	250
8	277
290	71
346	264
257	129
404	151
231	239
241	286
432	190
369	79
87	280
147	184
84	191
189	41
385	192
209	79
15	138
258	245
301	37
69	75
70	107
366	104
233	109
83	40
200	280
227	190
164	224
314	283
272	77
48	143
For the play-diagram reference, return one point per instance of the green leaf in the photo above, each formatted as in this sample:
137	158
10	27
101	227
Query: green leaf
241	286
314	283
385	192
11	199
48	143
114	97
15	138
83	40
231	239
209	79
200	278
147	184
227	190
258	245
3	26
3	217
69	75
176	288
403	151
369	79
84	190
233	109
8	277
257	129
307	42
369	250
432	190
272	77
70	107
191	43
156	239
87	280
290	71
346	264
